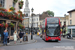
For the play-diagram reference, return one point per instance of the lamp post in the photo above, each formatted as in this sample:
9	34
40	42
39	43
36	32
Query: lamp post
32	25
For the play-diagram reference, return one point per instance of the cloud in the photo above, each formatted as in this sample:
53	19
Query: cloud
59	7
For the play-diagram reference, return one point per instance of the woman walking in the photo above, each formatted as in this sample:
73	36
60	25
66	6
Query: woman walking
15	37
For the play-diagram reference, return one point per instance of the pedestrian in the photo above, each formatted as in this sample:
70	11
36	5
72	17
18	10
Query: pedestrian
8	38
36	32
5	37
64	31
21	36
15	37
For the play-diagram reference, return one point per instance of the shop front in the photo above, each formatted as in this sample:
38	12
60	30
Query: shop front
12	25
71	29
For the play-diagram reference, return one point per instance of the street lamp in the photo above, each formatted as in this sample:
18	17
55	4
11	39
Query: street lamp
32	25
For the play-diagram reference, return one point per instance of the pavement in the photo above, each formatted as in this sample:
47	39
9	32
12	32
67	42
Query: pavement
18	42
64	44
69	39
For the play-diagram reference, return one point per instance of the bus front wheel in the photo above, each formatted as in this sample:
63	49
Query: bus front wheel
58	41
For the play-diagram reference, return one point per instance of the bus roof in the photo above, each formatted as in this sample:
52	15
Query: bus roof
51	17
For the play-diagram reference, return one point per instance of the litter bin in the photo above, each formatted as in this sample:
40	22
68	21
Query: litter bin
25	38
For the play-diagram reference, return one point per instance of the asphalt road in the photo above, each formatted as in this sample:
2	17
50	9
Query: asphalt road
65	44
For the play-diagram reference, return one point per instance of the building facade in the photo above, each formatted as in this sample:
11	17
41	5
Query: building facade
26	17
43	16
71	26
64	20
27	10
35	23
9	3
8	19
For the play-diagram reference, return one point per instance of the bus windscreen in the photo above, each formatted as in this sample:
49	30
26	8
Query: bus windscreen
53	28
53	31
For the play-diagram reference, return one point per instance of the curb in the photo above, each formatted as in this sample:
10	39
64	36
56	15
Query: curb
70	39
21	44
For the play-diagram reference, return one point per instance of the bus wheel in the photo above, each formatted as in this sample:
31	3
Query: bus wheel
59	41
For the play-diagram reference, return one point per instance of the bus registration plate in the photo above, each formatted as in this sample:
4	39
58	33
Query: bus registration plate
53	39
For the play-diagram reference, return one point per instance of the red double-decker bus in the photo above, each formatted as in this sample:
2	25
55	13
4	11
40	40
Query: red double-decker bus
51	29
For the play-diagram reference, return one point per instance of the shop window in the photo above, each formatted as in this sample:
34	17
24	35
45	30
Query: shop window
73	32
69	30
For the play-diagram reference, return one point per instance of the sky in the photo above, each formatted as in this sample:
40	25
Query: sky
59	7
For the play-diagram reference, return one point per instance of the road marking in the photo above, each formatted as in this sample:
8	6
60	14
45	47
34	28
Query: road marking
50	49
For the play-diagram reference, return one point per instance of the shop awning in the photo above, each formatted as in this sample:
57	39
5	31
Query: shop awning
71	27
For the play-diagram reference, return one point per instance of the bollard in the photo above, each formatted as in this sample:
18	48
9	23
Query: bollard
26	38
31	37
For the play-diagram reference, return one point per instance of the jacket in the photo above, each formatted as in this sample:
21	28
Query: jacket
5	34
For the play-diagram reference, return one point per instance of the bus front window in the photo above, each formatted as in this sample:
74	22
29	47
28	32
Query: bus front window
53	31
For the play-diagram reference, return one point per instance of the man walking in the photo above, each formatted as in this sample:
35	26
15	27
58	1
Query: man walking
21	36
5	37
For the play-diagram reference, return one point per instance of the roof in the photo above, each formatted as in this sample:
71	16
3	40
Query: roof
44	15
66	17
71	10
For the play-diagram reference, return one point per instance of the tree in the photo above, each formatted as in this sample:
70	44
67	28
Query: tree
51	13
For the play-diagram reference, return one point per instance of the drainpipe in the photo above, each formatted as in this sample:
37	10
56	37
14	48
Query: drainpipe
71	34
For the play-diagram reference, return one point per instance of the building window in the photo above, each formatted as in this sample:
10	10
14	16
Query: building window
2	2
70	14
70	21
73	32
69	30
37	19
26	15
13	5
